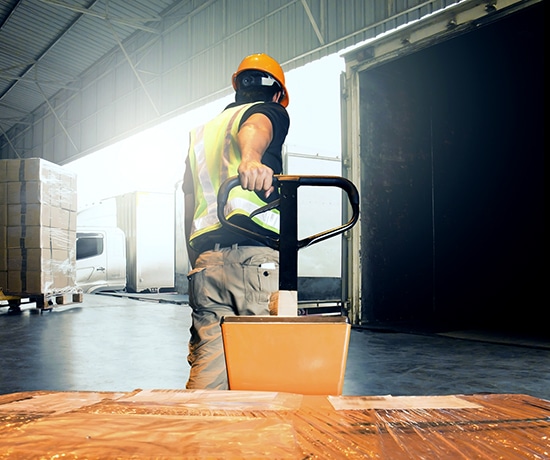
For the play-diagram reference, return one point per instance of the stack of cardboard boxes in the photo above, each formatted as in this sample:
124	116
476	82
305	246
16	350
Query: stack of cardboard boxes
38	208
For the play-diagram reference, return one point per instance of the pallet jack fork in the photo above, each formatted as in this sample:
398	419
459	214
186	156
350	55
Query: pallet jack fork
287	352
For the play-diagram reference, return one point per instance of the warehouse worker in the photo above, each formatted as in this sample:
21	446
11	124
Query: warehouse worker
232	275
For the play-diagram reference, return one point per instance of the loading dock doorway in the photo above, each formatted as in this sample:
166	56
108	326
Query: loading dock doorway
451	161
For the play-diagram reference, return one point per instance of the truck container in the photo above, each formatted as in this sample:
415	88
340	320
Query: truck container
147	221
444	133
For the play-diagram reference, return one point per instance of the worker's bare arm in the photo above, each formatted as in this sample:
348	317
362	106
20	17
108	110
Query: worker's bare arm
253	138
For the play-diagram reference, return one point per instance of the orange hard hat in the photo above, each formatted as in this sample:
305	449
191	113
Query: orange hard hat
267	64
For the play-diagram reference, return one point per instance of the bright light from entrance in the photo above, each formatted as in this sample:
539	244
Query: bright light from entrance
153	160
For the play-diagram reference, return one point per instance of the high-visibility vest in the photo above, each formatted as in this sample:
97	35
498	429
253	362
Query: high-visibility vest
214	156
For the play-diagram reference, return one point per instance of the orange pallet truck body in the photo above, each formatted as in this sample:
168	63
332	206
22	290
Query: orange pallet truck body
287	352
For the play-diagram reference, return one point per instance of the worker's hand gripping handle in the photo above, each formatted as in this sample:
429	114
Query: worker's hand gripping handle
287	186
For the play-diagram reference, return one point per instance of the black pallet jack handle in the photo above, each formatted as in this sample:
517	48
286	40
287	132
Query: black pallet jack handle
288	243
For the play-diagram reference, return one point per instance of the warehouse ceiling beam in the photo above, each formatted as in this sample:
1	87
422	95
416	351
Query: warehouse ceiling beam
313	22
50	106
14	109
8	140
32	66
59	84
8	17
4	72
135	22
134	69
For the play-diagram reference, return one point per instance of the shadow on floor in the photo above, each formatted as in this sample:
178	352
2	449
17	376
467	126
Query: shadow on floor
122	343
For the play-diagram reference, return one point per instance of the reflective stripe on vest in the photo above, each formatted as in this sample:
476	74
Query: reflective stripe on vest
211	165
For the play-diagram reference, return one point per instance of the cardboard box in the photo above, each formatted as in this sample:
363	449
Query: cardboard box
61	279
60	218
3	248
30	281
60	239
72	222
26	192
3	260
21	170
3	173
65	196
13	170
24	259
29	214
28	237
3	192
3	213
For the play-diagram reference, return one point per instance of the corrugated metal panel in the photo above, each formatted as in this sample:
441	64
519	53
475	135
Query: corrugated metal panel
108	68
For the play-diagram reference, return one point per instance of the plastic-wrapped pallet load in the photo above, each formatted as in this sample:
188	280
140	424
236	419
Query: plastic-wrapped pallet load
221	424
38	208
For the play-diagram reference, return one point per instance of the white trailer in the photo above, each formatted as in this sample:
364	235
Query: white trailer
147	220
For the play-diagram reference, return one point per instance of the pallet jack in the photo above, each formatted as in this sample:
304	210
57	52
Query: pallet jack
286	352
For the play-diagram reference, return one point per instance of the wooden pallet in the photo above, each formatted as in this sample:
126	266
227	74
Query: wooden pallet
48	301
40	302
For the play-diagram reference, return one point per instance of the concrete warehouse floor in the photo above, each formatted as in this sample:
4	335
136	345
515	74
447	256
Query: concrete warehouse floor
109	343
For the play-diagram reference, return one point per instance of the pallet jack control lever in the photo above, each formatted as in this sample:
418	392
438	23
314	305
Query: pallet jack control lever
287	204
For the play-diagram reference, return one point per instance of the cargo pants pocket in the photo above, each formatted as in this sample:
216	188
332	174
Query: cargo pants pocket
260	278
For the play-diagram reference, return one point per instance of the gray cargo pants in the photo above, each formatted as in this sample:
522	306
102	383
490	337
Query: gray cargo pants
225	282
